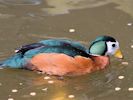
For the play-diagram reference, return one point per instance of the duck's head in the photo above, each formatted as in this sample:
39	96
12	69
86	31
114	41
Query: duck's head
105	46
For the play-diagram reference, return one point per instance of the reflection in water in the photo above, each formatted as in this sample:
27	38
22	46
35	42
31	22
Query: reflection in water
59	90
125	5
59	95
63	6
21	2
55	7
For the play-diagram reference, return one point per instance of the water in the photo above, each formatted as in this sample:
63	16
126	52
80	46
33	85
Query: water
28	21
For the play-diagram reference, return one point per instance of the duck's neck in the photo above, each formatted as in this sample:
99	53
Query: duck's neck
100	62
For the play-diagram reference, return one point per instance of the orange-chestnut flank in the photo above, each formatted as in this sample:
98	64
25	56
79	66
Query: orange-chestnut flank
61	64
65	57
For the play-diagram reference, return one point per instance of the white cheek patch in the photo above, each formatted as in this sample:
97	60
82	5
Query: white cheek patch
110	49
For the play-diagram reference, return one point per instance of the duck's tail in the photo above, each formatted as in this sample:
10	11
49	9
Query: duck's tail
15	61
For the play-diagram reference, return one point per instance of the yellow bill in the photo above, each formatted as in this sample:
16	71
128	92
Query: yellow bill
118	54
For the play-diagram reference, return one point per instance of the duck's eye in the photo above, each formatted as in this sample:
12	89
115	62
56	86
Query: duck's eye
113	45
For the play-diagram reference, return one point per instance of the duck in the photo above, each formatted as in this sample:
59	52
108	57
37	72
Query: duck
64	57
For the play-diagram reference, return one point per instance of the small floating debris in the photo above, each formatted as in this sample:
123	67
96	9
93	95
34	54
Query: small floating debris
71	96
117	88
124	63
129	24
132	46
50	82
130	89
46	77
20	83
121	77
45	89
33	93
71	30
0	84
14	90
10	99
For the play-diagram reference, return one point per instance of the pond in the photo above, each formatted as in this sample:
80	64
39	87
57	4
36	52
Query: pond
29	21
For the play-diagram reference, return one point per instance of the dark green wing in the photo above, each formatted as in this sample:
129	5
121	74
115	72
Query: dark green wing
50	45
68	50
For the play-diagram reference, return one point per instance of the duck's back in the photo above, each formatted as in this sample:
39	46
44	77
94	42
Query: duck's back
27	52
63	42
